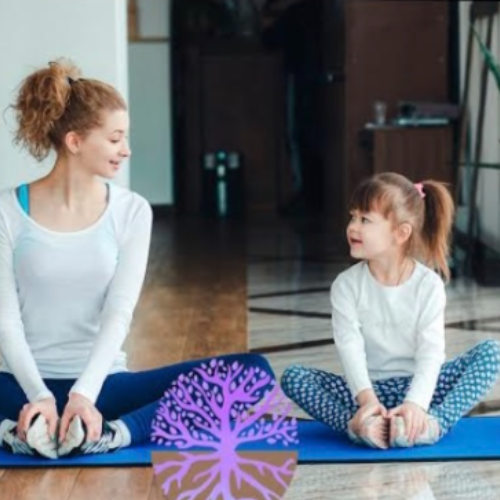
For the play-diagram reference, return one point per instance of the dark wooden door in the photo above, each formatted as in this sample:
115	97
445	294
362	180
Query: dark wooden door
333	107
228	98
389	51
241	111
297	32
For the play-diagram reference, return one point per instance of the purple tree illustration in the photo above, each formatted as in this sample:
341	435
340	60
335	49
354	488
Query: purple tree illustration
221	409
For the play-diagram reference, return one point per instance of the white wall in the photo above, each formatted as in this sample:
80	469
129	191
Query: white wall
151	130
154	18
489	180
150	104
32	32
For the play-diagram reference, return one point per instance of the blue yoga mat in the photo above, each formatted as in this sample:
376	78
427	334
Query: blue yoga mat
474	438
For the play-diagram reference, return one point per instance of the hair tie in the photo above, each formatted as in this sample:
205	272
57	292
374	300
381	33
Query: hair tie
70	80
419	186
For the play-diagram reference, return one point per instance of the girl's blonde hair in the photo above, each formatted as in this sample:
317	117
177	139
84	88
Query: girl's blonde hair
428	207
54	101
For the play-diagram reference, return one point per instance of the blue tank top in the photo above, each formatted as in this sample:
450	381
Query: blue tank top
23	197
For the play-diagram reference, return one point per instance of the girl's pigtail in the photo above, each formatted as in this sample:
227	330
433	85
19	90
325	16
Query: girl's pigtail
438	221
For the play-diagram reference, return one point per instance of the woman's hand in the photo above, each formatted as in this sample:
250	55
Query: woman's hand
86	410
46	407
415	418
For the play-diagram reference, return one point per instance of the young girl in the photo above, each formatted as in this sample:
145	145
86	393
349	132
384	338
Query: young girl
388	325
73	254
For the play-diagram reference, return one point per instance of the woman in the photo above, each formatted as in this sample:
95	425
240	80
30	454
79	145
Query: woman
73	255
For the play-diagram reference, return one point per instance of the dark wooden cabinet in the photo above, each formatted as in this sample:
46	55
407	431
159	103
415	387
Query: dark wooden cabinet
389	51
419	153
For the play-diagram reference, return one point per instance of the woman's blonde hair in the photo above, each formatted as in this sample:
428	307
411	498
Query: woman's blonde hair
56	100
428	207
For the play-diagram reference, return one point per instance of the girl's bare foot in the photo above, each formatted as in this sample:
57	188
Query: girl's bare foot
373	431
398	438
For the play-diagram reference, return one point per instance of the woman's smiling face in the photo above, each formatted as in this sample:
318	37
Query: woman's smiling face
101	151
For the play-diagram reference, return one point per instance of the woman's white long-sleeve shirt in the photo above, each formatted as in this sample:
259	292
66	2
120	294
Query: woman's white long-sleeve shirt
390	331
67	299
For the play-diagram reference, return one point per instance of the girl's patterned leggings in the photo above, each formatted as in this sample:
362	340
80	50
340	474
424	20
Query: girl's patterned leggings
462	383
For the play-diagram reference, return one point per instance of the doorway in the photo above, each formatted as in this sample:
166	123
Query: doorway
301	30
279	50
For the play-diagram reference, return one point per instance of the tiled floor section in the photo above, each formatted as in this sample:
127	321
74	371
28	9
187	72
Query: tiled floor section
289	277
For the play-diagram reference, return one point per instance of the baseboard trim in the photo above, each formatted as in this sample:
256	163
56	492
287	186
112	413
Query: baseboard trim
163	211
485	268
486	265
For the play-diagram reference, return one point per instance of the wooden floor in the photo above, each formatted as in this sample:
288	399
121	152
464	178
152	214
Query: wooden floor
193	305
203	280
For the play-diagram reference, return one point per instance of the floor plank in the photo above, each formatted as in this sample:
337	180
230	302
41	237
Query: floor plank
113	483
37	484
156	493
194	300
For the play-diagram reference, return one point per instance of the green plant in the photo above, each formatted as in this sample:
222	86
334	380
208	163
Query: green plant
489	58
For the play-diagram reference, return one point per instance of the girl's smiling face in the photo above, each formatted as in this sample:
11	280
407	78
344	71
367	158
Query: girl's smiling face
370	235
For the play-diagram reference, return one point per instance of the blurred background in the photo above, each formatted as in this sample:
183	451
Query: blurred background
250	108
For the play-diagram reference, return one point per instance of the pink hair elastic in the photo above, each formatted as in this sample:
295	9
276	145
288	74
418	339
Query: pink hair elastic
420	188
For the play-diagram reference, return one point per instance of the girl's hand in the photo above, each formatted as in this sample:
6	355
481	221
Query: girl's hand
46	407
368	409
415	418
83	407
